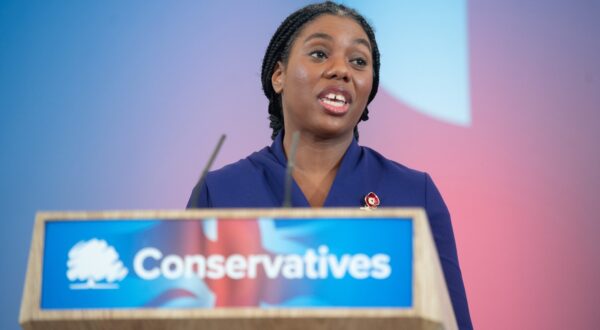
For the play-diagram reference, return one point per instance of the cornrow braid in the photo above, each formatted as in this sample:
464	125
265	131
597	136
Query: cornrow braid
281	44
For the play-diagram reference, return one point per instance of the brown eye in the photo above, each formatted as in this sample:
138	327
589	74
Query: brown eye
359	62
318	54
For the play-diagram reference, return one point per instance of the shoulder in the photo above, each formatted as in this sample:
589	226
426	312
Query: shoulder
245	183
391	170
240	170
408	186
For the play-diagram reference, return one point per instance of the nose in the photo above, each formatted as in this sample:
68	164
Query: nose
338	70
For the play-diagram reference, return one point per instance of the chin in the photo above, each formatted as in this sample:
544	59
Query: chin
333	132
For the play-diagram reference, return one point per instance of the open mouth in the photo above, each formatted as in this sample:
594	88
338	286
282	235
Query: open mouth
336	103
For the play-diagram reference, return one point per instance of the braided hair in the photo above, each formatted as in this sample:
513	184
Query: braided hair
281	44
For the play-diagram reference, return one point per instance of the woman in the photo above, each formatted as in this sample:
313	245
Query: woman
320	71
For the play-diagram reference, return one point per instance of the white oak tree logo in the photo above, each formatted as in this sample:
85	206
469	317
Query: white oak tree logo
94	264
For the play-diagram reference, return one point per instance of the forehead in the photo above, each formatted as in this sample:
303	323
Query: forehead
336	26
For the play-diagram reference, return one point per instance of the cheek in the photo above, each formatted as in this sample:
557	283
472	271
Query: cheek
299	76
364	83
297	84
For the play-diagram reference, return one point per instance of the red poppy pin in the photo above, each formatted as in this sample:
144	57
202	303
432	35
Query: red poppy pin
371	201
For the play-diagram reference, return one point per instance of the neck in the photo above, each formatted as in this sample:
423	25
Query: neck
317	155
316	163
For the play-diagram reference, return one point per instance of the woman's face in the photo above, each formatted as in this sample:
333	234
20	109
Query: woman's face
327	79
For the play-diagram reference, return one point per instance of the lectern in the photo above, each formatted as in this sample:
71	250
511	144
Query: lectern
235	269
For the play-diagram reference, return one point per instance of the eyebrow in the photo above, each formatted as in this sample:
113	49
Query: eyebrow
321	35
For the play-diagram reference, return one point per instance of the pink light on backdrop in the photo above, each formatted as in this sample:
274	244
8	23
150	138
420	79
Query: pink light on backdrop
521	182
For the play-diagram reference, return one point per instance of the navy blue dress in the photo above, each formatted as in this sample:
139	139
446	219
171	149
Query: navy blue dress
258	181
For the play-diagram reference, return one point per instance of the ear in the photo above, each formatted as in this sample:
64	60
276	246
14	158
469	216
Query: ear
278	77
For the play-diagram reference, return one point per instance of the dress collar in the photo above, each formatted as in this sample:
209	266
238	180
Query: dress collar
345	178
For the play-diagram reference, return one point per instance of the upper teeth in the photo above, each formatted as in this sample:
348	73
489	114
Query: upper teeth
337	97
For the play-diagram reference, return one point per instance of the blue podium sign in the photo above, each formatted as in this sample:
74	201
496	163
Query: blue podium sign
263	262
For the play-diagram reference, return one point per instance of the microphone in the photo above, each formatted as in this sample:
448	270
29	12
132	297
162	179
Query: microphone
196	191
287	190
